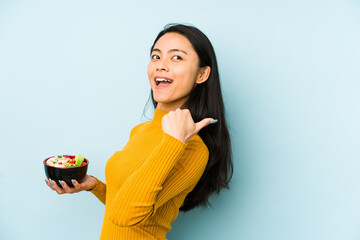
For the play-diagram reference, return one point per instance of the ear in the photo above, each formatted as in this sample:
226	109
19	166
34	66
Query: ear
203	74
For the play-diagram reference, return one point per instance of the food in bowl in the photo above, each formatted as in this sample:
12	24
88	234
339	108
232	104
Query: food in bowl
64	161
66	168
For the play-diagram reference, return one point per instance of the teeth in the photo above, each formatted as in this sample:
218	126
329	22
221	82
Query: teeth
162	80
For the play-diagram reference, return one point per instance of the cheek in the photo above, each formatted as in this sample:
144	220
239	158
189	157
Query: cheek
188	76
149	71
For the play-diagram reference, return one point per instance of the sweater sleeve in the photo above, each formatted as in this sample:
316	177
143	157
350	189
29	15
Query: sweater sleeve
99	190
135	201
186	174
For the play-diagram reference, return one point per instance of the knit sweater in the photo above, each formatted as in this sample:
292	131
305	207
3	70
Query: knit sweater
147	182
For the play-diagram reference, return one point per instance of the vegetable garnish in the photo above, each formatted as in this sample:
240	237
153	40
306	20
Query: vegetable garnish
78	160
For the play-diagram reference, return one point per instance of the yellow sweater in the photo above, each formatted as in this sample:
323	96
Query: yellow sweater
147	182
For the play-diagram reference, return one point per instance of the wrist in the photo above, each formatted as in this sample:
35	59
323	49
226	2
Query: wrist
93	183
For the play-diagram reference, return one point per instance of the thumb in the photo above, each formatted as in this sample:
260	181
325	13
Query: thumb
203	123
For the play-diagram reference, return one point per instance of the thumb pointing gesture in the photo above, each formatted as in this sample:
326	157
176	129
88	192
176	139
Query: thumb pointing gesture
200	125
181	126
203	123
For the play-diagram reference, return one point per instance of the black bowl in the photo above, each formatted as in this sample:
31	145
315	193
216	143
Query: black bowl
66	174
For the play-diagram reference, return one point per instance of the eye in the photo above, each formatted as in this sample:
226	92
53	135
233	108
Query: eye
155	57
177	57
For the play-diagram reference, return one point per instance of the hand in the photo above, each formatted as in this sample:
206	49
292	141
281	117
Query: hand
87	183
180	125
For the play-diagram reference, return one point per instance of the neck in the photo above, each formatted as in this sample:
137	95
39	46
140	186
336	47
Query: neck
167	107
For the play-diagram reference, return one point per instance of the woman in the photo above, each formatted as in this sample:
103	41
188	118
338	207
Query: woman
177	160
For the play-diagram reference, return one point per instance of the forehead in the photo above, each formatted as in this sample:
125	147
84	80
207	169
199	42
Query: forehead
174	41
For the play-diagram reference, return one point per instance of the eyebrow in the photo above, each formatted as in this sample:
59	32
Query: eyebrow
171	50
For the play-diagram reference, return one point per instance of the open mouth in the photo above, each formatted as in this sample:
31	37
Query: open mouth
162	82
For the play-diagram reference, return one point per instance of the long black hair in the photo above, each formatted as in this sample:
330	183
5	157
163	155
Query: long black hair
205	100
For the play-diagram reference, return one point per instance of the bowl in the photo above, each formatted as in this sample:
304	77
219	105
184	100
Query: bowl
66	174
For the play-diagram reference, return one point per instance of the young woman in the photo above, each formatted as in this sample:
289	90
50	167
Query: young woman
177	160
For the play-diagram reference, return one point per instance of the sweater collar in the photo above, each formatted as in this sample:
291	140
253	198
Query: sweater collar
158	115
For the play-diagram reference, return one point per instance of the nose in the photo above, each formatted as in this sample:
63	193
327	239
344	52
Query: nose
162	66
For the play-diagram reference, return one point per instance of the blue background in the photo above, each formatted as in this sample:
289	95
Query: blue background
73	81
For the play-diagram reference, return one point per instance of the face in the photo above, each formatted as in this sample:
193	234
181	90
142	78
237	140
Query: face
174	71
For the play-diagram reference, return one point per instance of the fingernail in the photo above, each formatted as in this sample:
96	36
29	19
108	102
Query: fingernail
73	181
61	183
51	182
213	121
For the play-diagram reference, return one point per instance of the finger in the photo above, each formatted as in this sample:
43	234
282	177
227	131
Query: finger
50	183
66	187
56	188
76	185
47	182
203	123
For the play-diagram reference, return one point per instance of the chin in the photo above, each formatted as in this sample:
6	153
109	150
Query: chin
160	99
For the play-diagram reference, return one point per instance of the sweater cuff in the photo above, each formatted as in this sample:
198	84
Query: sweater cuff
172	141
